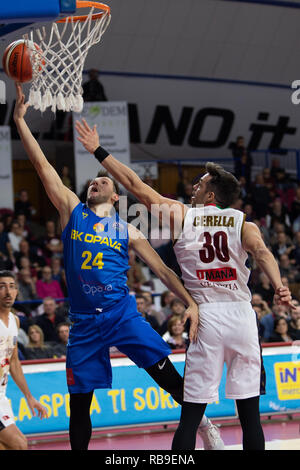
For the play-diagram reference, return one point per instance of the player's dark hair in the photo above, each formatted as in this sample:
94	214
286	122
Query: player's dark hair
5	273
103	173
224	184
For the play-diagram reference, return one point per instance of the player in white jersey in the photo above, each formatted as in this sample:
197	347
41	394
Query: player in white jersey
11	438
211	251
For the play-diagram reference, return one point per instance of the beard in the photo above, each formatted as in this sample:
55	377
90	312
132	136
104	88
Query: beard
95	199
7	303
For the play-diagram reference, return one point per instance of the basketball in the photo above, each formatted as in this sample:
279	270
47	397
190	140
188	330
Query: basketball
16	60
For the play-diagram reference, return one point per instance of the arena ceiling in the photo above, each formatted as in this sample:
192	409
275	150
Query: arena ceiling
220	39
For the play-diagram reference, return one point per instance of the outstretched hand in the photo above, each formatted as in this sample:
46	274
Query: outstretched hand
20	106
87	136
35	405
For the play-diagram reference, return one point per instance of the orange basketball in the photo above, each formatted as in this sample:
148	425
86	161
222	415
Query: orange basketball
16	60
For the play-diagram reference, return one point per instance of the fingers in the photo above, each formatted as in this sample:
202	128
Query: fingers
19	89
80	129
42	412
86	126
193	333
20	94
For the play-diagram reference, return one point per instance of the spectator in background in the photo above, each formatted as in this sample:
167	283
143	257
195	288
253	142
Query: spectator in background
135	276
63	331
66	178
58	273
165	301
295	211
51	242
296	252
258	300
176	337
27	250
282	245
8	219
248	210
244	192
287	269
36	348
268	321
7	259
242	160
280	333
21	219
177	308
265	289
294	324
259	313
27	291
24	263
150	307
47	287
142	308
93	89
275	170
15	236
268	181
24	206
277	228
261	197
278	213
49	320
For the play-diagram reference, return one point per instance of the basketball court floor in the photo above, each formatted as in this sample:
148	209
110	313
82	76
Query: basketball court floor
281	433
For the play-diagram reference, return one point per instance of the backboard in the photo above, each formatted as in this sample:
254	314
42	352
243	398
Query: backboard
19	13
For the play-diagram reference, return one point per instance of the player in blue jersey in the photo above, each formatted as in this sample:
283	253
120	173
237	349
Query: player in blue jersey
96	243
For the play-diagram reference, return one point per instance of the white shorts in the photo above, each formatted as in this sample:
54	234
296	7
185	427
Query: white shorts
6	414
227	334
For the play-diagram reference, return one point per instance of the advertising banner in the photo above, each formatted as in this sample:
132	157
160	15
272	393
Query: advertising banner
6	177
111	119
135	398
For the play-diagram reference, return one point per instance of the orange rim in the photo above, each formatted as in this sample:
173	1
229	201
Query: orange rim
87	4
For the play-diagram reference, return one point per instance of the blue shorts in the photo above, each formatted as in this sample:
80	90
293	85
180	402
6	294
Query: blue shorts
88	364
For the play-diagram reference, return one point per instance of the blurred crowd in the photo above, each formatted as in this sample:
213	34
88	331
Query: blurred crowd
34	252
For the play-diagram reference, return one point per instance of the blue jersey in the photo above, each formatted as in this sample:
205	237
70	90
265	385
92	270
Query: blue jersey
96	260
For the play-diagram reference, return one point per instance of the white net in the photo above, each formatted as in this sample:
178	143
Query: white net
58	65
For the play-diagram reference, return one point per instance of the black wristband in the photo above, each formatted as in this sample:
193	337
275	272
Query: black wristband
100	153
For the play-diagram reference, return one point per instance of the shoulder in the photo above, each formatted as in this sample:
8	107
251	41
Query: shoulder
251	228
16	318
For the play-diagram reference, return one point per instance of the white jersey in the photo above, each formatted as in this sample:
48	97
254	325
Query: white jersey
8	341
211	257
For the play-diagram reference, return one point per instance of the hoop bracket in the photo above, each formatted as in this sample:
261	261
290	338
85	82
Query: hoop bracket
87	4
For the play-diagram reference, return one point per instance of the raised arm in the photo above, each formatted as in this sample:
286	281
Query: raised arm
145	251
173	210
253	243
61	197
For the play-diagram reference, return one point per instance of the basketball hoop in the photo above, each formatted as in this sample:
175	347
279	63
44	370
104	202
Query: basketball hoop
57	80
